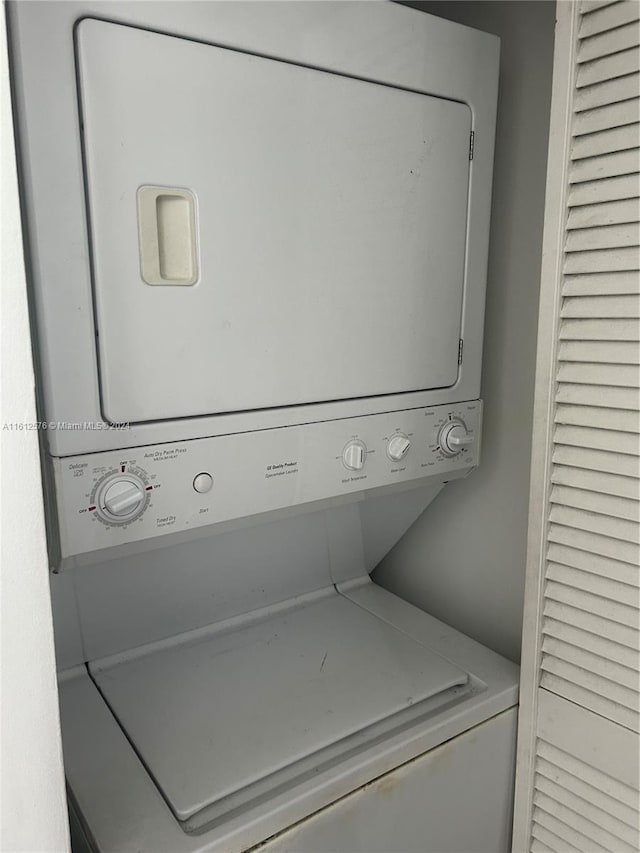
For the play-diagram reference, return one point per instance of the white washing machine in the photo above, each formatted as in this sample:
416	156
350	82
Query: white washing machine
257	241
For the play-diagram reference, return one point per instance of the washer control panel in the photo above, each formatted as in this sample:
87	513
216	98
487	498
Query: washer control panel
117	497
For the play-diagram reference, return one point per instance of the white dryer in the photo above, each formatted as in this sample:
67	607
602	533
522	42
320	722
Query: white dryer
257	248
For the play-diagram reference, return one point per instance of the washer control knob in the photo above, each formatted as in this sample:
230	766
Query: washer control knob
398	447
123	498
354	455
203	482
454	437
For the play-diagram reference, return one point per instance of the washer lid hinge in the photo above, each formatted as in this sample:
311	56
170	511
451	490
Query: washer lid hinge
472	137
460	345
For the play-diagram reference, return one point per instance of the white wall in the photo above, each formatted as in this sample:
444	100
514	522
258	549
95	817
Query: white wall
32	796
463	561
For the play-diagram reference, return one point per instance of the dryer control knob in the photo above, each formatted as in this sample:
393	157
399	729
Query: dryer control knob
354	455
123	498
398	446
454	437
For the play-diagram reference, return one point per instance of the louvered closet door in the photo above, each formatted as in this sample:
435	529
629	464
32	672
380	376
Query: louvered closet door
577	785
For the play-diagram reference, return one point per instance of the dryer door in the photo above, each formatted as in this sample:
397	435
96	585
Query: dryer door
265	234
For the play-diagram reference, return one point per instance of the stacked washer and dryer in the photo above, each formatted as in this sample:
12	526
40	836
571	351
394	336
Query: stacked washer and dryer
257	238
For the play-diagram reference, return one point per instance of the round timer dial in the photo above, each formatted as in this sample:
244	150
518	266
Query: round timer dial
121	497
454	438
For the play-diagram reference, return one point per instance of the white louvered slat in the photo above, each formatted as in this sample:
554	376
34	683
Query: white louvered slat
595	460
606	117
606	141
588	622
554	833
603	307
571	451
539	847
568	686
601	352
590	416
599	330
594	584
593	663
608	18
608	462
607	649
592	373
600	284
606	237
600	215
608	43
542	839
576	782
596	481
608	68
624	614
602	439
596	575
592	691
597	839
604	785
584	540
587	6
596	502
574	373
616	828
625	375
597	418
607	92
599	395
596	564
594	523
602	190
587	561
599	260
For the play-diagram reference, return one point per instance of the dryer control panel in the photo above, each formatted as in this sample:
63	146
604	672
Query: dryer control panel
114	498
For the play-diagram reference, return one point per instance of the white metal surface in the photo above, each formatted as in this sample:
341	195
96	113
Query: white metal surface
300	680
377	42
332	219
119	602
252	473
268	701
476	768
124	809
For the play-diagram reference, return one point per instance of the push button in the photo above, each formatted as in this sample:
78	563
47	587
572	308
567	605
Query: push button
203	483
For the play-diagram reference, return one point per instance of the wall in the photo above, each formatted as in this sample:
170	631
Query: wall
33	816
464	559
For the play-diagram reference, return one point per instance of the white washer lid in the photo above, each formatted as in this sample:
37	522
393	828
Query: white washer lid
214	716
